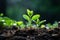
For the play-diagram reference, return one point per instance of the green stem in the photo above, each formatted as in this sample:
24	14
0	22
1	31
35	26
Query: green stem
37	25
30	21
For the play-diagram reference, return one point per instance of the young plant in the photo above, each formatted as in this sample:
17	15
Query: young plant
55	24
8	22
52	26
5	21
49	26
30	17
20	24
38	22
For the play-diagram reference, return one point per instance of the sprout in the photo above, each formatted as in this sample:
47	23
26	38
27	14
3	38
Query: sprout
7	21
52	26
38	22
48	26
55	24
20	24
33	18
28	17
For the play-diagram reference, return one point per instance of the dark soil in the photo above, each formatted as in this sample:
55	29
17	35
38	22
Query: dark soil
33	34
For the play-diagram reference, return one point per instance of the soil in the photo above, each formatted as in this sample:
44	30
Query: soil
31	34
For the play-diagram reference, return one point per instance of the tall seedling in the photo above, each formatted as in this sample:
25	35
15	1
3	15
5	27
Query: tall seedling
30	17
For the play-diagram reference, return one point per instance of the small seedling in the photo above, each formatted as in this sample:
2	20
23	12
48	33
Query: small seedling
8	22
33	18
52	26
5	21
30	17
55	24
38	22
20	24
48	26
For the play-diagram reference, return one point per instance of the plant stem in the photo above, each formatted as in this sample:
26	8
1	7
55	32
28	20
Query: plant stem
30	21
37	25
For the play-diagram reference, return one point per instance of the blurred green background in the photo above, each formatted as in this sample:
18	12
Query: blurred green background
48	9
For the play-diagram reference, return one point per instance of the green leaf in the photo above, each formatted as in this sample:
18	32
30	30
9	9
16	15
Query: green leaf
37	22
55	24
42	21
19	22
30	13
26	17
35	17
22	26
9	22
49	25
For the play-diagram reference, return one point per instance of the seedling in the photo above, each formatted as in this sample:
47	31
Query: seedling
38	22
33	18
55	24
48	26
52	26
20	24
5	21
30	17
8	22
